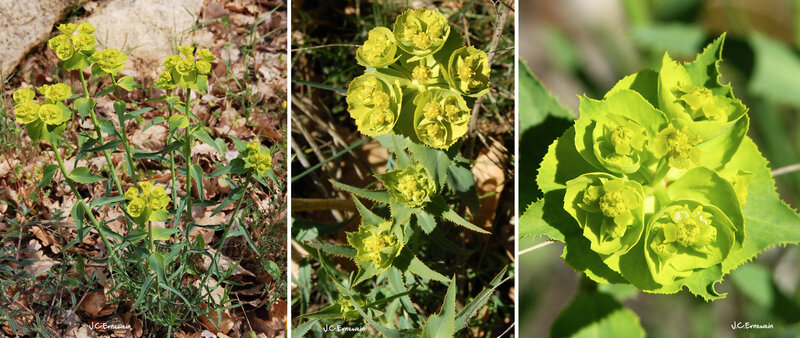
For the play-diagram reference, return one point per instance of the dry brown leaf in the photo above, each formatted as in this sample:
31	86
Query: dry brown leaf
93	306
489	177
224	263
225	322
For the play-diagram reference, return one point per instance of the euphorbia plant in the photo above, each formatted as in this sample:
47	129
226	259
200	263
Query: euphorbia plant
169	255
416	97
657	184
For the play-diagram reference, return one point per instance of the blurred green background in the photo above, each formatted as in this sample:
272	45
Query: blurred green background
583	47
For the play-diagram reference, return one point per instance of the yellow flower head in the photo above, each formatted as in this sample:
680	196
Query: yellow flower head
23	95
57	41
65	51
67	28
185	67
136	207
203	66
171	61
205	55
56	92
187	51
26	112
86	28
83	41
131	193
110	60
51	114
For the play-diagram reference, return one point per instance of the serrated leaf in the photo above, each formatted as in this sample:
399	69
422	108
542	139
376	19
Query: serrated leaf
338	250
84	175
533	224
768	220
367	216
472	308
425	220
419	268
301	330
595	314
381	196
443	324
435	162
272	268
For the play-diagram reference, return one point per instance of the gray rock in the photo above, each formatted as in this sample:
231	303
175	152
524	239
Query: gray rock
23	25
145	29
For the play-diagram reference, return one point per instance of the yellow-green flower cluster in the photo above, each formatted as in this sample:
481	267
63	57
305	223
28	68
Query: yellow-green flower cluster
51	112
258	158
375	244
182	70
379	50
428	60
411	185
148	203
66	44
109	61
421	31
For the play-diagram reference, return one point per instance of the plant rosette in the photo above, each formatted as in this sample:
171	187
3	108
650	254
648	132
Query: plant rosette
411	186
148	203
41	119
374	102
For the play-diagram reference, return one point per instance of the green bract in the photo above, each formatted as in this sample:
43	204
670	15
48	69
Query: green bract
257	158
411	186
703	111
374	103
375	245
109	61
147	204
74	50
468	71
684	237
379	50
182	70
441	117
421	32
419	90
657	185
610	210
42	118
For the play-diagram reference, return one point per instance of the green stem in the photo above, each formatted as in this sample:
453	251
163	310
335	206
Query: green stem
150	236
77	194
107	155
129	158
213	265
187	153
172	165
